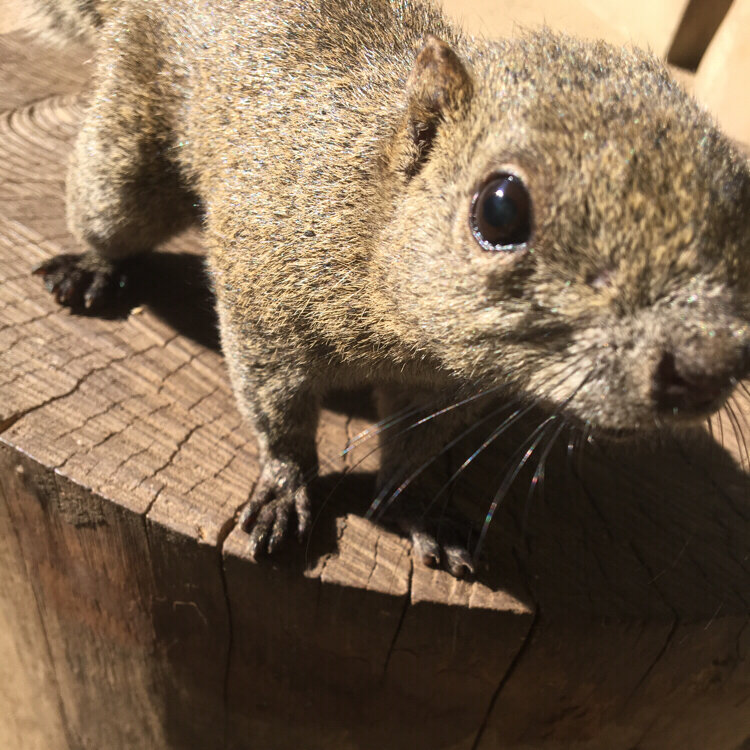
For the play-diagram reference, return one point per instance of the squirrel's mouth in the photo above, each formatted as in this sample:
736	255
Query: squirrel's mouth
662	420
617	433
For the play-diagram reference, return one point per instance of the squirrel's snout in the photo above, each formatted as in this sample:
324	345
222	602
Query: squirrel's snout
682	385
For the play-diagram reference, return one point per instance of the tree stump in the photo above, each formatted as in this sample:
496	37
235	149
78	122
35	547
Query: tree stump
613	613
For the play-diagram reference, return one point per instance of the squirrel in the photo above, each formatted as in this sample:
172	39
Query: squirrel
389	201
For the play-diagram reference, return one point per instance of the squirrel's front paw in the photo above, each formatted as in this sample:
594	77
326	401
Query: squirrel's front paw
279	495
81	282
439	540
438	548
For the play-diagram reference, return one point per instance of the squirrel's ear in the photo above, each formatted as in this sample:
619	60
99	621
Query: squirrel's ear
438	86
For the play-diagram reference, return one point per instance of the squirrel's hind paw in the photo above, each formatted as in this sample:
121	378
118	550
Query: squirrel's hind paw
82	282
267	515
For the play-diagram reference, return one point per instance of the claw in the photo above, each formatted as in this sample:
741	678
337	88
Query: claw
80	280
97	291
302	506
248	515
426	548
459	561
266	517
438	543
260	529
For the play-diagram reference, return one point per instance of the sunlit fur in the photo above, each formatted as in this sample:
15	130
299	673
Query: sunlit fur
339	244
640	245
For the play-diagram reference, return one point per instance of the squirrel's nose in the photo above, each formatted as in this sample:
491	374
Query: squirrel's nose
678	384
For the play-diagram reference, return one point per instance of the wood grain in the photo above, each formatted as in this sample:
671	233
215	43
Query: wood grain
613	612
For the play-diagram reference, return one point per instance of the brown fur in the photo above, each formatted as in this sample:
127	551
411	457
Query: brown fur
335	146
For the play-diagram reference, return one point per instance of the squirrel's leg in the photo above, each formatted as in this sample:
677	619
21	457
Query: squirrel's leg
282	404
413	493
124	190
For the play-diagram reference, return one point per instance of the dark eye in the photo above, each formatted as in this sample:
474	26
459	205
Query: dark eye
501	213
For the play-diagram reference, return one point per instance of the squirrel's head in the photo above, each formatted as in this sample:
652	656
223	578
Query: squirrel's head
571	223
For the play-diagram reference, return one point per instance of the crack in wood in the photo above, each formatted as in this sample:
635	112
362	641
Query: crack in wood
215	475
169	460
651	578
652	665
374	562
513	664
224	531
105	439
515	661
52	399
7	423
182	366
26	322
230	643
402	617
107	408
644	734
738	639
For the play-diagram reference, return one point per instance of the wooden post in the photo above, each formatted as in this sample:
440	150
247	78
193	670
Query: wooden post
613	615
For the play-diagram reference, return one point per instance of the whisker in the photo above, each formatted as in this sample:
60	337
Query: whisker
538	479
543	458
399	416
350	469
732	426
574	435
494	435
710	424
736	428
382	494
383	425
721	427
412	426
743	424
518	414
738	434
535	438
532	441
740	409
403	414
585	440
433	415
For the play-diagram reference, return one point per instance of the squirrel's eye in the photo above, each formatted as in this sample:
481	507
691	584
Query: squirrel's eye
501	213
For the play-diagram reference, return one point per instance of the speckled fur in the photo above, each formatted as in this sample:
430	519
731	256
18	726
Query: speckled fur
335	263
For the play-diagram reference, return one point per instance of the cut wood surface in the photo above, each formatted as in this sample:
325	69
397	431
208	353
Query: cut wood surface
613	612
